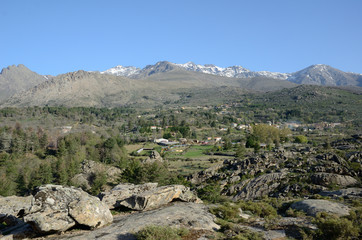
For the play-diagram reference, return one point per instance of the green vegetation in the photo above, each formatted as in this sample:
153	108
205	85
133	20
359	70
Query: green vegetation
257	134
333	227
161	233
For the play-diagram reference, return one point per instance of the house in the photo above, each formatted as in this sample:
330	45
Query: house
167	143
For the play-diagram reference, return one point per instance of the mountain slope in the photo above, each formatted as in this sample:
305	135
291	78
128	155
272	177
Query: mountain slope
14	79
102	90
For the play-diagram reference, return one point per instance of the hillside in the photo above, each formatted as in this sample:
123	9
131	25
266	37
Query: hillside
14	79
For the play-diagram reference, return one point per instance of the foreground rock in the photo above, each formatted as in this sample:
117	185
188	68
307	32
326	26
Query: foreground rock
313	206
15	206
123	191
57	208
189	215
146	196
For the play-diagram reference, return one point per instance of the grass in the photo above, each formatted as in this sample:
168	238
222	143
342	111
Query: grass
188	167
191	152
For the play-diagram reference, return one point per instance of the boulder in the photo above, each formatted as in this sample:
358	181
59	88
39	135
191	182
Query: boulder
154	156
178	214
14	205
146	196
313	206
158	197
123	191
260	186
326	179
56	208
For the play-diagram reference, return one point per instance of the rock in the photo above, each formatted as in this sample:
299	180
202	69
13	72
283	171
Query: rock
202	176
14	227
326	179
154	156
189	215
57	208
146	196
260	186
345	193
123	191
89	169
14	205
158	197
269	234
313	206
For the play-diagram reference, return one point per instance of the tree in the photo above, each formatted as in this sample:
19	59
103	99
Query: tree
301	139
227	144
240	151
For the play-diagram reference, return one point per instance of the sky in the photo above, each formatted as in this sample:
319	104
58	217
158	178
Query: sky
59	36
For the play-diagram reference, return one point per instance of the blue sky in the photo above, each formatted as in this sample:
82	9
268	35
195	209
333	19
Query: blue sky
53	37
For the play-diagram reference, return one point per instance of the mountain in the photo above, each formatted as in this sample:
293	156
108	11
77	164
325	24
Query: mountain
14	79
163	66
320	74
316	74
159	85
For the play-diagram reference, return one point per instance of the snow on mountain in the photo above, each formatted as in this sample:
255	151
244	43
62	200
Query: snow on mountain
234	71
321	74
119	70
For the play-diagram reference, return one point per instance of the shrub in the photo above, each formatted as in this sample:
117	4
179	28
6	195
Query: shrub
161	233
261	209
332	227
301	139
226	211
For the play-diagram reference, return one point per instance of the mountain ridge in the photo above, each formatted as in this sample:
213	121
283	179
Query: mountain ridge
317	74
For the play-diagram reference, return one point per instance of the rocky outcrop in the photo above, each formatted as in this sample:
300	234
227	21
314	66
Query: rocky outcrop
179	214
90	169
122	191
158	197
327	179
146	196
154	156
349	193
15	206
313	206
57	208
260	186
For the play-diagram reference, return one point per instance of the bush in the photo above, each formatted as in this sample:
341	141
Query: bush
301	139
226	212
211	193
261	209
331	227
161	233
